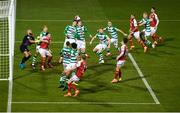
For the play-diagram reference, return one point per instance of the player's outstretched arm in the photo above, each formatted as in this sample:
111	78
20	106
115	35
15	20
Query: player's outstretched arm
92	39
119	30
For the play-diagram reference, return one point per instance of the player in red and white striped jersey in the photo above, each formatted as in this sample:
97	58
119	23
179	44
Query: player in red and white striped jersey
121	58
44	51
134	32
154	24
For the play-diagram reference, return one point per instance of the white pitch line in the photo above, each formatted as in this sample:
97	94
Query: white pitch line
61	20
54	42
4	79
143	79
92	103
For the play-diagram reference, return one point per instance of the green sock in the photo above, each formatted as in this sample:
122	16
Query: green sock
34	60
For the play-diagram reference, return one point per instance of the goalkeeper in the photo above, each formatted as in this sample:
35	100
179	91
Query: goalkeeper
27	41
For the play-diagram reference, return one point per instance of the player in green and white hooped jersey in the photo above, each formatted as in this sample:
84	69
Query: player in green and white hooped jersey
65	57
81	33
73	60
70	33
38	38
147	31
104	44
113	32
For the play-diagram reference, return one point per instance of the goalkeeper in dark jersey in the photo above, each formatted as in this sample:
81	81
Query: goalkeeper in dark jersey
27	41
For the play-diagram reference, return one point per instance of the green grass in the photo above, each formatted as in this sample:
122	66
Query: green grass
160	66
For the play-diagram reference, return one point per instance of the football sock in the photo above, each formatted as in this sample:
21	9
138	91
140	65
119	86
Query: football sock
71	86
25	59
155	37
34	60
43	60
142	43
116	74
49	59
100	56
131	42
120	73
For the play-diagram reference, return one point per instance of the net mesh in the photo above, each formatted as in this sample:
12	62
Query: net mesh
4	39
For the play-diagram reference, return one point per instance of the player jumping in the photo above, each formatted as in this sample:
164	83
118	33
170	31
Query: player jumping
105	42
80	68
134	32
113	32
70	33
81	31
154	24
45	52
121	58
27	41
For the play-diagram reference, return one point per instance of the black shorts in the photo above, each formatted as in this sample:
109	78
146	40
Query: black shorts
23	48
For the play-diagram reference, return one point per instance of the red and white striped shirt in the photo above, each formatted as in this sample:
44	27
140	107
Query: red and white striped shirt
45	45
133	25
155	20
123	52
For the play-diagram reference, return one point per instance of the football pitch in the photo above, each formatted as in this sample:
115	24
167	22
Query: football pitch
151	81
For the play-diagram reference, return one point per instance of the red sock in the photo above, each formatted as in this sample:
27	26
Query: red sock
74	87
43	60
155	37
120	74
69	87
131	40
116	74
49	59
142	43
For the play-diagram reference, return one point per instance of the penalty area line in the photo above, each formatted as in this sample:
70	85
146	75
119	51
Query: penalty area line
100	20
91	103
143	79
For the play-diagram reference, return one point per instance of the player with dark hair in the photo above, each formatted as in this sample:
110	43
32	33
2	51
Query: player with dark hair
121	58
154	24
80	68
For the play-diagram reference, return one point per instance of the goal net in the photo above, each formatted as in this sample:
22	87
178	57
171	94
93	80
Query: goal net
7	32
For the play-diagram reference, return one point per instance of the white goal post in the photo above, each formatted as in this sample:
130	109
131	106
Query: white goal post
7	37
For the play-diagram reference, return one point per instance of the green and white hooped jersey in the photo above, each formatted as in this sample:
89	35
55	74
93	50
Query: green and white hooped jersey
146	22
112	31
81	30
102	38
66	54
42	34
70	32
74	55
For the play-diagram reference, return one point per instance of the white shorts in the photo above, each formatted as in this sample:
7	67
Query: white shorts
65	66
101	47
146	33
44	52
70	40
114	41
37	48
74	78
81	44
121	63
71	65
153	30
136	35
